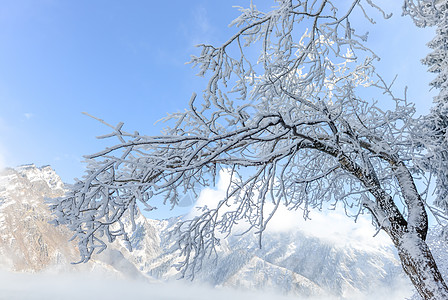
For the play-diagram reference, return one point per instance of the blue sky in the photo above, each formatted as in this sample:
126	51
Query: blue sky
125	61
119	61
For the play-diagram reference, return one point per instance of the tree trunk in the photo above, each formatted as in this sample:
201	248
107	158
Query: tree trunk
419	265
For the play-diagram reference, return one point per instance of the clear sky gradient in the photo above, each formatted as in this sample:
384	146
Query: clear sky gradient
125	61
117	60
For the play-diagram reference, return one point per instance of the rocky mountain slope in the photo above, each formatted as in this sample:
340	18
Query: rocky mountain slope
289	262
28	243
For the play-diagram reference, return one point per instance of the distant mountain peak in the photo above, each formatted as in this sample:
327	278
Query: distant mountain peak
29	243
290	263
45	174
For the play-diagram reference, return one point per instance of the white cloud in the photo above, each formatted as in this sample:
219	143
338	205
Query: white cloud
28	115
201	19
4	130
333	226
3	125
211	197
2	158
199	29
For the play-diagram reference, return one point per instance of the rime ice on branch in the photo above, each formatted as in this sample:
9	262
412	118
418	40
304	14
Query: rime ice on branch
432	134
292	127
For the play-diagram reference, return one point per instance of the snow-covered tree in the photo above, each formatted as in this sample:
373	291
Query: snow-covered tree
284	112
433	132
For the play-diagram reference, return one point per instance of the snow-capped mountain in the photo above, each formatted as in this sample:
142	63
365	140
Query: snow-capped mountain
28	243
291	263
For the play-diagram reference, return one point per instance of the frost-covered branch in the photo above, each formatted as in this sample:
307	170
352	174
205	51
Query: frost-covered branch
290	126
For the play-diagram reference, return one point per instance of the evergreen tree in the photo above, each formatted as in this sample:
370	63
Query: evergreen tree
437	120
433	131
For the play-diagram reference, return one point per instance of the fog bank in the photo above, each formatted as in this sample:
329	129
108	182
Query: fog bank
22	286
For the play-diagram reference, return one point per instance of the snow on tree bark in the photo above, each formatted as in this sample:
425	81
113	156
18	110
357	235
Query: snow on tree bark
293	129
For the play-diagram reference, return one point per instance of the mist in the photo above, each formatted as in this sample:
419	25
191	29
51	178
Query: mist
41	286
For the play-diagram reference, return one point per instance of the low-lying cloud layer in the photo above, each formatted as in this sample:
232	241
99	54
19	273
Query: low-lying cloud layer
16	286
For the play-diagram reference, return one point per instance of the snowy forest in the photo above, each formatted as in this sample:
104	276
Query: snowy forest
295	116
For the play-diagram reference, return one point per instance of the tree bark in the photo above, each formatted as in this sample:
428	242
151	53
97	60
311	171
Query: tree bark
408	236
419	264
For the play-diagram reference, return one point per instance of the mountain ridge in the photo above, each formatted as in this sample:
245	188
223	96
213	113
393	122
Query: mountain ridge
290	263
